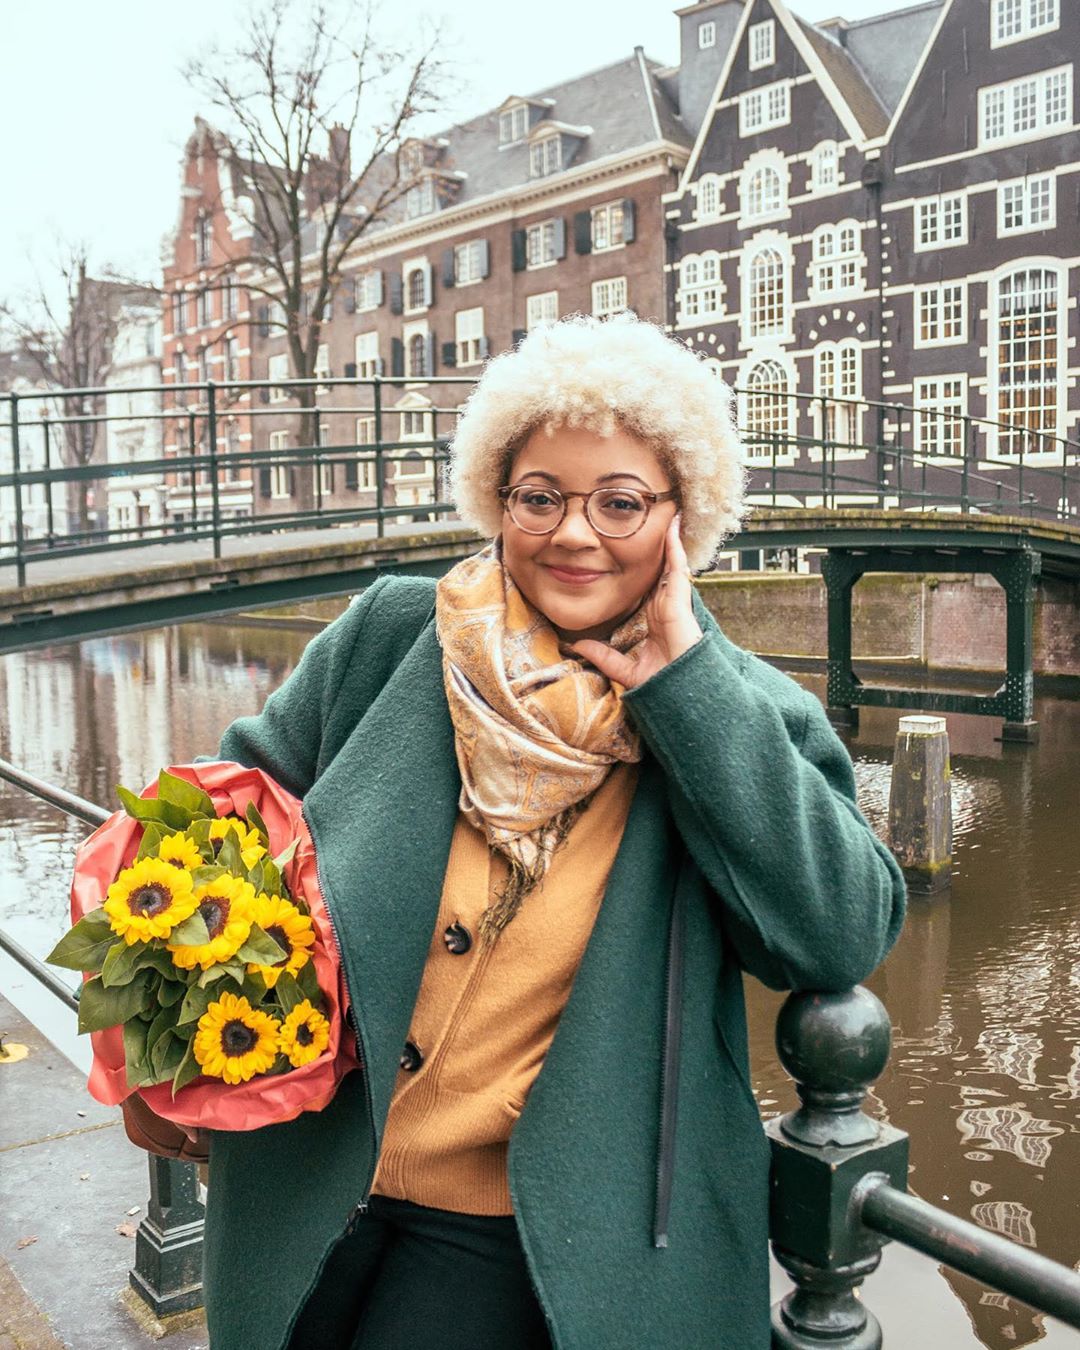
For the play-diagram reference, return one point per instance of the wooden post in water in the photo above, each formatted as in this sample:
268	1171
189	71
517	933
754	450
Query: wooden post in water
920	804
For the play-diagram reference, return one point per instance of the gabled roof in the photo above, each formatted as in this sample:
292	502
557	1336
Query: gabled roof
850	80
888	47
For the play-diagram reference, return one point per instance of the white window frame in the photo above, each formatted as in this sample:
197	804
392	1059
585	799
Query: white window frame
277	368
514	124
836	272
416	267
322	363
1027	189
994	339
762	44
931	217
609	296
848	409
469	336
706	35
420	200
366	355
781	245
708	186
817	159
765	161
1031	19
366	468
784	425
700	297
921	296
279	473
544	232
929	397
540	309
605	223
366	291
545	156
764	108
468	262
1008	99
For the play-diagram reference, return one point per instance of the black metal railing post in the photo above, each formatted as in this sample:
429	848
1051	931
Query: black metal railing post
834	1046
380	463
16	472
317	458
898	413
968	450
47	447
194	472
211	432
167	1274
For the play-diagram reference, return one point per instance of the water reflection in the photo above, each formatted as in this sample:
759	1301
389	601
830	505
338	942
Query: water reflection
983	986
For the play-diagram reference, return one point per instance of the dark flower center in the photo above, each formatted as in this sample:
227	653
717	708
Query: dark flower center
304	1034
215	912
278	934
150	899
237	1038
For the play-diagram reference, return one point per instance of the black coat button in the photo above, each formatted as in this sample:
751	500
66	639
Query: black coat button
457	939
411	1058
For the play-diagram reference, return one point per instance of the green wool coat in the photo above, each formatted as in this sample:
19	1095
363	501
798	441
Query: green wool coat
744	804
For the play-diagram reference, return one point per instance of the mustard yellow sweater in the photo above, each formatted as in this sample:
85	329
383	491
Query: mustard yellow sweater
485	1016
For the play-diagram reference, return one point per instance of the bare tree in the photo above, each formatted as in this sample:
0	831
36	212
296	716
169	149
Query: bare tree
309	92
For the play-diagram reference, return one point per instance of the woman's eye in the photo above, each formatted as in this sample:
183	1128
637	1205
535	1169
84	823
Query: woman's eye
623	503
538	499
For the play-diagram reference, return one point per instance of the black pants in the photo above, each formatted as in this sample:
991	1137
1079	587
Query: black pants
414	1278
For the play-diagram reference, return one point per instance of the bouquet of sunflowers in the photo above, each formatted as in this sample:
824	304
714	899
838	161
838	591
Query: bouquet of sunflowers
213	983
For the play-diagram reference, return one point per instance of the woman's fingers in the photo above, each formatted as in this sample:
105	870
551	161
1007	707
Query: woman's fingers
615	665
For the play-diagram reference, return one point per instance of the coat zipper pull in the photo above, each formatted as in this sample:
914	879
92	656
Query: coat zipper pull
354	1218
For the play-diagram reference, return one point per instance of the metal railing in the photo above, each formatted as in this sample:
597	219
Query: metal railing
206	486
838	1187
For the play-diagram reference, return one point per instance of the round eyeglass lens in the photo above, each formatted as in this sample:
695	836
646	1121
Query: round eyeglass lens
617	511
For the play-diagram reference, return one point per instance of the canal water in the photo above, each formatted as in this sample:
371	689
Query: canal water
983	987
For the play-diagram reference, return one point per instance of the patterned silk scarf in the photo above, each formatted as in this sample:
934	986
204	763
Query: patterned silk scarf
536	729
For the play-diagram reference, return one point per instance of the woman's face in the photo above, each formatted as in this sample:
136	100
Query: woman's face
586	583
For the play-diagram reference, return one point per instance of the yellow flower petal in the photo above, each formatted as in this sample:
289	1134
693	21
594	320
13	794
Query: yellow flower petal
148	900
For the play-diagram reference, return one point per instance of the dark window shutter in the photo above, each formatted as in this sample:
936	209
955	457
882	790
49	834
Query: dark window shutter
485	258
560	237
629	220
518	258
429	286
330	479
397	357
263	316
350	297
449	354
397	305
448	267
350	370
264	395
429	351
292	481
582	231
264	482
352	476
518	335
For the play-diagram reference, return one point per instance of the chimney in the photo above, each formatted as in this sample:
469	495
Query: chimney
339	148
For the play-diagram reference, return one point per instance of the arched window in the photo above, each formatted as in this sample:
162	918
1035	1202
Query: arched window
767	293
708	199
824	167
1027	353
764	193
415	297
767	412
838	386
691	272
417	354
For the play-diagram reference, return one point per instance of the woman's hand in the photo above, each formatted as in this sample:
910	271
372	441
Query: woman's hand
670	615
148	1130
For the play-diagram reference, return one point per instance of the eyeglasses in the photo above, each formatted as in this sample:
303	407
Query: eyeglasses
615	512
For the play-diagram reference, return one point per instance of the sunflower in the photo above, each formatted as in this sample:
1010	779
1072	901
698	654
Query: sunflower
251	848
304	1035
148	900
180	850
290	929
227	906
235	1041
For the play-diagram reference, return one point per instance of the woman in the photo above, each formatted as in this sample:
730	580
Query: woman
557	814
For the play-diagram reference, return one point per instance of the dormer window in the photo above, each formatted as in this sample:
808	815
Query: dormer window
513	124
762	44
545	157
412	159
420	200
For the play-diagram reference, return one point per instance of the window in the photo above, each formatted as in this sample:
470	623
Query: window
541	309
368	289
838	387
939	314
837	260
469	336
470	262
767	415
767	294
540	244
178	311
700	289
1023	109
231	350
203	237
414	427
180	367
204	365
277	368
762	44
322	362
513	124
1026	357
608	297
824	167
416	364
939	425
545	156
708	197
420	200
764	108
1014	20
367	466
204	309
941	221
764	193
415	289
279	473
230	298
706	35
368	364
1026	204
607	226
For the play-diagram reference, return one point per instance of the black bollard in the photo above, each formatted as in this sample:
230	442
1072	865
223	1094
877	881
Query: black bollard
834	1046
920	804
167	1274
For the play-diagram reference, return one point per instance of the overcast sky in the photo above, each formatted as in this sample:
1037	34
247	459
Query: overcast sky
95	112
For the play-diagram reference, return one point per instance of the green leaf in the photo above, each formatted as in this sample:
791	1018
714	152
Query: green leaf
153	808
202	876
121	964
191	933
100	1007
136	1064
308	981
255	820
196	1001
199	831
255	876
166	1056
162	1023
288	993
185	795
209	976
153	834
254	988
229	855
85	946
259	947
187	1069
286	855
271	877
170	992
280	1065
157	958
233	969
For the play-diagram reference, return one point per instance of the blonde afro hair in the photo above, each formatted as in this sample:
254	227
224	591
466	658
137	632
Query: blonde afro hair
600	374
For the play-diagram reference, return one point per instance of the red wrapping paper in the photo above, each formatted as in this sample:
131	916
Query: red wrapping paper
210	1103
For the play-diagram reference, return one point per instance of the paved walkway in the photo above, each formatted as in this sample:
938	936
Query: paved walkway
69	1181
